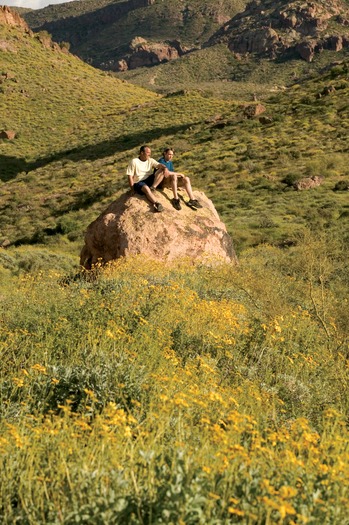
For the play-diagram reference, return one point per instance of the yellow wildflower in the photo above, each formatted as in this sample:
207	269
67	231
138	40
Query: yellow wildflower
39	368
236	511
18	382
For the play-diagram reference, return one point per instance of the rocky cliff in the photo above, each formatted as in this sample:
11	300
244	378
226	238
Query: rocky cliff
145	54
11	18
287	29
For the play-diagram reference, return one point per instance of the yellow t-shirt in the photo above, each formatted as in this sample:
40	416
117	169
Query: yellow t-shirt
141	169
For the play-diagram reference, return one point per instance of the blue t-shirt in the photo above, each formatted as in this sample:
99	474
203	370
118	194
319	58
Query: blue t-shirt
167	163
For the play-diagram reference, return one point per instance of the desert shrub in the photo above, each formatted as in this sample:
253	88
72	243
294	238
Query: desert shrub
65	45
341	185
291	178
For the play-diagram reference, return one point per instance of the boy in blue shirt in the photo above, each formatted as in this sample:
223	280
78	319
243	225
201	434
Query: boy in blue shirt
176	179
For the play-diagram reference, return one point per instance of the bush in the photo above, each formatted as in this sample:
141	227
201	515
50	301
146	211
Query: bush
152	393
291	178
341	185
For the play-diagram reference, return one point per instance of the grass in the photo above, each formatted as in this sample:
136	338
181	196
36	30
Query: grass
242	165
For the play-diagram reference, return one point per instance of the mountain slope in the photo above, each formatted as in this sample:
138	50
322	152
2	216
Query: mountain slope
53	100
266	46
101	32
56	181
282	30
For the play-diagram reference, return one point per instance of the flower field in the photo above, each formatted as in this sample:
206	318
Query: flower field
148	394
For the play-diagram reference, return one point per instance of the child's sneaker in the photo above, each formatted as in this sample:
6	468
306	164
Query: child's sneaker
158	206
193	203
176	204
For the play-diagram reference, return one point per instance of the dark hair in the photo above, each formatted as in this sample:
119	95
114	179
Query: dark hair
143	148
167	149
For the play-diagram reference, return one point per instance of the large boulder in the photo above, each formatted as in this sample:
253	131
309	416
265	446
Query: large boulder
129	226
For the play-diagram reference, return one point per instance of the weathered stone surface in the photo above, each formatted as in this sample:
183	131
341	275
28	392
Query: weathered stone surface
7	134
306	50
334	42
5	243
129	226
145	54
122	65
274	29
254	110
12	18
262	40
308	183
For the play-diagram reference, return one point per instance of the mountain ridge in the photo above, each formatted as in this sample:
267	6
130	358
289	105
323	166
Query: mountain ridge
281	30
103	36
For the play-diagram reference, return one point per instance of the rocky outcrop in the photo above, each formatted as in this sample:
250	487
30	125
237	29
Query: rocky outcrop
11	18
307	49
276	29
130	227
145	54
7	134
262	39
308	183
253	110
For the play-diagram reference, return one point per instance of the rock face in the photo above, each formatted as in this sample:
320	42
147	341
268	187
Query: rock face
130	227
145	54
7	134
308	183
293	29
254	110
11	18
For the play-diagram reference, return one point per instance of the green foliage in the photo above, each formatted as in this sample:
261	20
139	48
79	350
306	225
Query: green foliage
291	178
77	128
341	185
143	393
27	259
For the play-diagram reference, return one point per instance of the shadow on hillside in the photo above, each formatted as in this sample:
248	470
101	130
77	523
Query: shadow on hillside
11	166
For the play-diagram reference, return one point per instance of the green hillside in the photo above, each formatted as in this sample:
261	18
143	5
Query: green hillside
217	72
59	108
54	101
77	127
